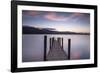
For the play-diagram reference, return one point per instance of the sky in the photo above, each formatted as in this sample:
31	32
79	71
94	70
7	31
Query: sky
60	21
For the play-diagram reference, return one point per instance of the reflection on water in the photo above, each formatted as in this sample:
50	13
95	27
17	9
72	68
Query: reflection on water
33	46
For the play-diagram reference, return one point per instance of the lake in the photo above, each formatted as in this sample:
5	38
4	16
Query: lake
33	46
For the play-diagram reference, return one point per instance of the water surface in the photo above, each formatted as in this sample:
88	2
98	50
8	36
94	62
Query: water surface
33	46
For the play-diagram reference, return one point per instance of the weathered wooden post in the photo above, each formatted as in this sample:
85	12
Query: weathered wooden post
69	48
52	40
45	47
50	43
62	43
59	40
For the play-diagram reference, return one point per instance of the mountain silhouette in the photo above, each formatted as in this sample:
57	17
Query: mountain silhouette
34	30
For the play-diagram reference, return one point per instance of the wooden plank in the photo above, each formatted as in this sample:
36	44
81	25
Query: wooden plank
56	52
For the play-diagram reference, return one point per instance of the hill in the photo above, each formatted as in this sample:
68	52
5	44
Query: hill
33	30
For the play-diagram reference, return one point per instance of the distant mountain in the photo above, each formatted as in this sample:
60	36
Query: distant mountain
33	30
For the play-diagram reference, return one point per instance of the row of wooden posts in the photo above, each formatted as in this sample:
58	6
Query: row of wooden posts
60	40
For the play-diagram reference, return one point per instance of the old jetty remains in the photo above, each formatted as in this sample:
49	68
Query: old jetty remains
56	51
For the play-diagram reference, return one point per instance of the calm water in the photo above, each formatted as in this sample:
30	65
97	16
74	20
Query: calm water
33	46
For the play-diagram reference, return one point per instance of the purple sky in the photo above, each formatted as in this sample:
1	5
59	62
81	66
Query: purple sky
60	21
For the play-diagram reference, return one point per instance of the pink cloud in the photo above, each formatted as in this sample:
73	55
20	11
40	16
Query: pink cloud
55	17
78	14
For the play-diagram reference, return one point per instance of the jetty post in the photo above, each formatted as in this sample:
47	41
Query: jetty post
45	47
50	42
69	48
62	42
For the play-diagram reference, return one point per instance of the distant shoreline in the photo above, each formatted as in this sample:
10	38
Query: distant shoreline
32	30
53	34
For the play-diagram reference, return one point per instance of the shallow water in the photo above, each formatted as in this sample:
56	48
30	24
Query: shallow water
33	46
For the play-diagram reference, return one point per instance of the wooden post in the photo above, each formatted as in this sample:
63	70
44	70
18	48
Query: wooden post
45	46
52	40
69	47
50	43
58	39
62	43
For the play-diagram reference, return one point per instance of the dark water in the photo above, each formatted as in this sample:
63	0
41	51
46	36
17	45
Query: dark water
33	46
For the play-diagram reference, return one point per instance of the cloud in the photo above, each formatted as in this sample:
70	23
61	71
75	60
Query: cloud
53	16
31	13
